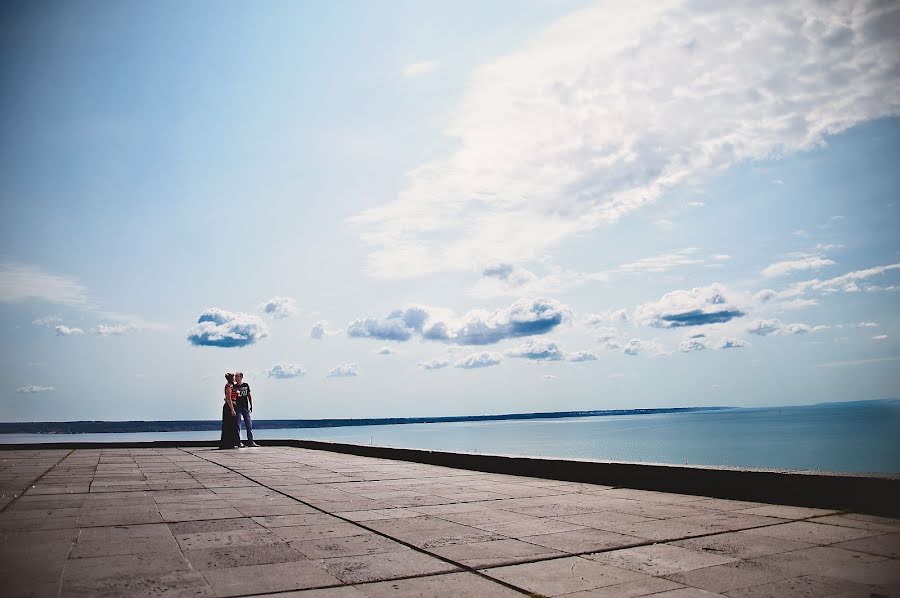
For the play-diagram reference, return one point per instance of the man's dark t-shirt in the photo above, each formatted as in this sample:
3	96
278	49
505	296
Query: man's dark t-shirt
242	392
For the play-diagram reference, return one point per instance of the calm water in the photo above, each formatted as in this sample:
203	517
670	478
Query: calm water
848	437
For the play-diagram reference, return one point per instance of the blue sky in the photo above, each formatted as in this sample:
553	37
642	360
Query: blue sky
407	208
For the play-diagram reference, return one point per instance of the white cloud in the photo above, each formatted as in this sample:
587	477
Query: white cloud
478	360
846	282
501	278
284	371
692	343
867	325
22	282
637	346
318	330
607	111
661	263
579	356
548	377
221	328
385	351
795	296
731	343
34	389
48	321
539	350
417	69
433	364
701	342
114	329
504	279
808	262
343	371
879	337
696	307
546	350
765	327
63	330
525	317
279	307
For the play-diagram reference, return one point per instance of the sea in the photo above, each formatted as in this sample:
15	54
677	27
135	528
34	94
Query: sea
861	437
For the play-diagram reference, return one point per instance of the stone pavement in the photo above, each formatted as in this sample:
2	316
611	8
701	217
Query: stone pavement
314	524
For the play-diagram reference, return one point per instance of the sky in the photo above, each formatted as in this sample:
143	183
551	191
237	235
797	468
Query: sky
392	209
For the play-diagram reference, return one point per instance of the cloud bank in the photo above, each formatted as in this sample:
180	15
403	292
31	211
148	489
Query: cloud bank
545	350
433	364
283	371
765	327
695	307
63	330
22	282
221	328
279	307
343	371
34	389
115	329
809	262
483	359
606	111
525	317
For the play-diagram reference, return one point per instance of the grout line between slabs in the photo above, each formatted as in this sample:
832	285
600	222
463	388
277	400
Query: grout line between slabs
34	481
384	535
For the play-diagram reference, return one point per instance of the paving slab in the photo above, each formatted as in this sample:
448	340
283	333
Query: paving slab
274	577
810	586
495	553
177	584
584	540
629	589
660	559
363	544
563	576
741	545
298	522
451	585
383	566
241	555
814	533
884	545
732	576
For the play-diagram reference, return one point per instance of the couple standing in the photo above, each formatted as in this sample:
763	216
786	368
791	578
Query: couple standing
238	404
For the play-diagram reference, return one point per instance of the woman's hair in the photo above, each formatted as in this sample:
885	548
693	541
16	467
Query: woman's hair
229	376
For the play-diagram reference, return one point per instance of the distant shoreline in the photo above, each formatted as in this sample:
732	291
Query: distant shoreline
118	427
200	425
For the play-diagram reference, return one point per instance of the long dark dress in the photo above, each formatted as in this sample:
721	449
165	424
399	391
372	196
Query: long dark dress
231	435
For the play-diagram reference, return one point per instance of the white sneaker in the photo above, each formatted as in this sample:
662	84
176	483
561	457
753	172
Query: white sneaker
241	445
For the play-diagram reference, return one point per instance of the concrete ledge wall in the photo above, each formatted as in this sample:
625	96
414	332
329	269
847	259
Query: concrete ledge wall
859	493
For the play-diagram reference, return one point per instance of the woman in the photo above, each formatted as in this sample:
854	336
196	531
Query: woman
230	435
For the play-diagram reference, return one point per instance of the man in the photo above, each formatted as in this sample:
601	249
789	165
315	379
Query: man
244	406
